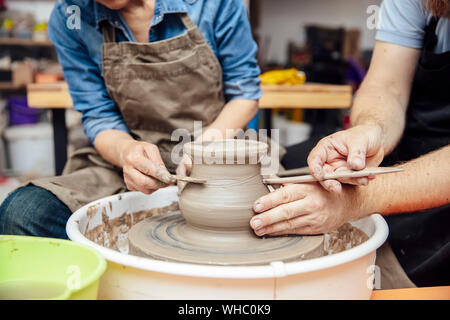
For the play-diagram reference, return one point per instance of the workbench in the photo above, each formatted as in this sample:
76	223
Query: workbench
56	97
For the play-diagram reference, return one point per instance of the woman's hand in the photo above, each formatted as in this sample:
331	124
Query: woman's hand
143	168
355	149
303	209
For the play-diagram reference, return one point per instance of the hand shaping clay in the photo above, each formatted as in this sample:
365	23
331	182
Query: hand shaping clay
214	225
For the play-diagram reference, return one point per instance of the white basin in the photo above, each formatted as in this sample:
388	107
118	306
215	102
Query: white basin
345	275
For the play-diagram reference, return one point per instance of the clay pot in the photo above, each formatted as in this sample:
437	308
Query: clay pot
232	169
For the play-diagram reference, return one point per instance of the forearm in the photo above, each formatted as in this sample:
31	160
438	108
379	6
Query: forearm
376	105
235	115
383	98
110	145
422	185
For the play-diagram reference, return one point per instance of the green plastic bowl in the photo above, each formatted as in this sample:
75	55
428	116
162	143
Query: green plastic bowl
45	268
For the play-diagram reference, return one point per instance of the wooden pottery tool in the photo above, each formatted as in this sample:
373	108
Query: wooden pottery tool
294	172
334	175
188	179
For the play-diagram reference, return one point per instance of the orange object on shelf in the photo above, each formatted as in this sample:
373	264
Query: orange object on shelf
47	77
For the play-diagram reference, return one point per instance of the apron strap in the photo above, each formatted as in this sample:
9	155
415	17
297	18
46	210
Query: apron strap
109	32
431	39
188	23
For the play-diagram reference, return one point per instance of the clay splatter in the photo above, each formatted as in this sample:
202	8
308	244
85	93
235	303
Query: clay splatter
113	233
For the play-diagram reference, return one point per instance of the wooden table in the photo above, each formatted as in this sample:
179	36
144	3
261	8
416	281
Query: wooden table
432	293
305	96
55	96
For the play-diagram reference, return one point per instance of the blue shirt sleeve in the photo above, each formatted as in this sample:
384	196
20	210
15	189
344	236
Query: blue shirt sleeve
236	51
86	84
402	22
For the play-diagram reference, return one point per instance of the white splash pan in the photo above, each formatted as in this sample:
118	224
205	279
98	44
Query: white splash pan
345	275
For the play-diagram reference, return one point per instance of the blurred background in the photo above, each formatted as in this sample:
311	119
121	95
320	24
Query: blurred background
314	54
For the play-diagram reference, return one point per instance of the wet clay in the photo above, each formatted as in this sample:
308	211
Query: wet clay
226	200
170	237
344	238
214	224
233	172
113	233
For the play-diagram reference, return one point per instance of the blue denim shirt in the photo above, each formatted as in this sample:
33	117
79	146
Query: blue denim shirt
223	23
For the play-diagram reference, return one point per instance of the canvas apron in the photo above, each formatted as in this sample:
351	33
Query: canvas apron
420	241
158	87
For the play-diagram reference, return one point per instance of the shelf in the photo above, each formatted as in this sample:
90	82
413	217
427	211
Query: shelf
24	42
11	86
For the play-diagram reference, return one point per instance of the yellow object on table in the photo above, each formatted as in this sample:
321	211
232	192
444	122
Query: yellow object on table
286	77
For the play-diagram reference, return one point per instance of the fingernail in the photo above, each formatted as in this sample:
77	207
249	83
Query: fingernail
256	223
336	187
261	232
259	207
164	175
357	163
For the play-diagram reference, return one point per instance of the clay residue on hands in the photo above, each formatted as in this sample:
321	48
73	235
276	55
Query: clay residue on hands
163	175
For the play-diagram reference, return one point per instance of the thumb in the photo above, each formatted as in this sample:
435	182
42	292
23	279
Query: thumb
357	151
159	170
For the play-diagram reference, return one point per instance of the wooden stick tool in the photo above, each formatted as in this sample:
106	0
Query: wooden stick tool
334	175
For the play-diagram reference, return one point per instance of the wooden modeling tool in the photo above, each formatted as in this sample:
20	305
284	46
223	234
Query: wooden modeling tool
334	175
188	179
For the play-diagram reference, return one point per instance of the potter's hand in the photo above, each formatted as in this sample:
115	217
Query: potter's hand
302	209
353	149
143	168
184	169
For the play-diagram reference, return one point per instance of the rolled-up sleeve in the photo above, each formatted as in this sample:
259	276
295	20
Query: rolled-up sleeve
236	51
402	22
83	75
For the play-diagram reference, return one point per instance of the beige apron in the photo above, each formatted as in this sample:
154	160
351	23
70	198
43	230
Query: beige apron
392	274
158	87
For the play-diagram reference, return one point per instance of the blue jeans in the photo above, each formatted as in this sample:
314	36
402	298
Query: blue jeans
34	211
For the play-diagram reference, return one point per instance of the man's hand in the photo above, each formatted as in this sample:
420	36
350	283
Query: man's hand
354	149
302	209
143	168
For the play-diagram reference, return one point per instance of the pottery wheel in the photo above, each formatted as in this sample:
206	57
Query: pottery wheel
169	237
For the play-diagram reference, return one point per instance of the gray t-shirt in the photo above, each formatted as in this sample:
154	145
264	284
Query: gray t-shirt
403	22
